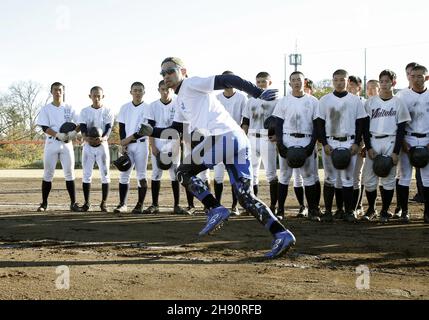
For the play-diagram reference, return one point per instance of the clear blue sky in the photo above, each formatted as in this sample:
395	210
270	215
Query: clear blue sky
112	43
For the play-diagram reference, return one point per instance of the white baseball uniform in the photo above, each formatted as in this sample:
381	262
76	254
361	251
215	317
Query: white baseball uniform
418	106
53	117
384	117
340	115
163	115
257	111
298	115
235	106
98	118
133	116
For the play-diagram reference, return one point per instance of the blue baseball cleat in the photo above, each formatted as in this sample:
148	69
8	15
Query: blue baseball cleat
215	219
283	241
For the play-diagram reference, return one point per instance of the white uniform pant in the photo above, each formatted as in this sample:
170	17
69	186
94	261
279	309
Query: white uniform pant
263	150
357	175
166	146
138	153
405	168
306	171
99	154
346	175
53	151
370	179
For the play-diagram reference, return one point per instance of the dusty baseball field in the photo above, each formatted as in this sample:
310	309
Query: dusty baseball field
108	256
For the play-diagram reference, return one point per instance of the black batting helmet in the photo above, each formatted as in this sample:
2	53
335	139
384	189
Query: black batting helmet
296	156
341	158
66	127
123	163
163	160
94	132
419	156
382	165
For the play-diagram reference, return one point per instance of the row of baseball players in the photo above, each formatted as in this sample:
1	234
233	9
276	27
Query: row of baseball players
250	115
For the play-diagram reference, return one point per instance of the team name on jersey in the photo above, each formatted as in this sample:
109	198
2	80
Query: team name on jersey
379	113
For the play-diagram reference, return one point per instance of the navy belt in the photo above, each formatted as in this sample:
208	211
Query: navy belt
417	135
342	138
298	135
379	137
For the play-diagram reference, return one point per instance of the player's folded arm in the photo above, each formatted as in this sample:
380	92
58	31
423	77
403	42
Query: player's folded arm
359	128
366	134
321	131
400	135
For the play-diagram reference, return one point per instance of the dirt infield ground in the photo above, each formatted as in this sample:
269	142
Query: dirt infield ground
160	257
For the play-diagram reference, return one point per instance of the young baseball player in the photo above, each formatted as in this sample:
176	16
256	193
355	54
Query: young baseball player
296	126
263	149
384	135
161	114
417	134
341	121
298	183
234	102
372	88
224	142
58	145
130	117
94	119
354	86
398	210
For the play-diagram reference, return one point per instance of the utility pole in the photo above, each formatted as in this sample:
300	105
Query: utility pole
364	77
285	82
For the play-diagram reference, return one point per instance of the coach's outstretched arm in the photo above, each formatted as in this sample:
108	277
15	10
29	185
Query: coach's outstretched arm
175	131
232	81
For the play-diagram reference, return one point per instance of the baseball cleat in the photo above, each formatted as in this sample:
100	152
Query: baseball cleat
384	217
397	214
283	241
303	212
235	211
405	217
103	207
85	207
327	217
42	207
339	214
151	210
180	211
350	217
75	207
369	215
215	219
121	208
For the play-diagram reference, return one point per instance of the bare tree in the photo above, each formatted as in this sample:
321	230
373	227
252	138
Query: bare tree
23	102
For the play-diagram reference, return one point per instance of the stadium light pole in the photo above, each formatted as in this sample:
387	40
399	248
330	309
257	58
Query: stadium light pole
295	59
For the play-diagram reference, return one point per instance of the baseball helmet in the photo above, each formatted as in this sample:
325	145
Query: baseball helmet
123	163
94	132
66	127
341	158
163	160
296	156
419	156
382	165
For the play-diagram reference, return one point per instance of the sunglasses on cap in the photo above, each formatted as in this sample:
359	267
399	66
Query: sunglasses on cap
169	71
